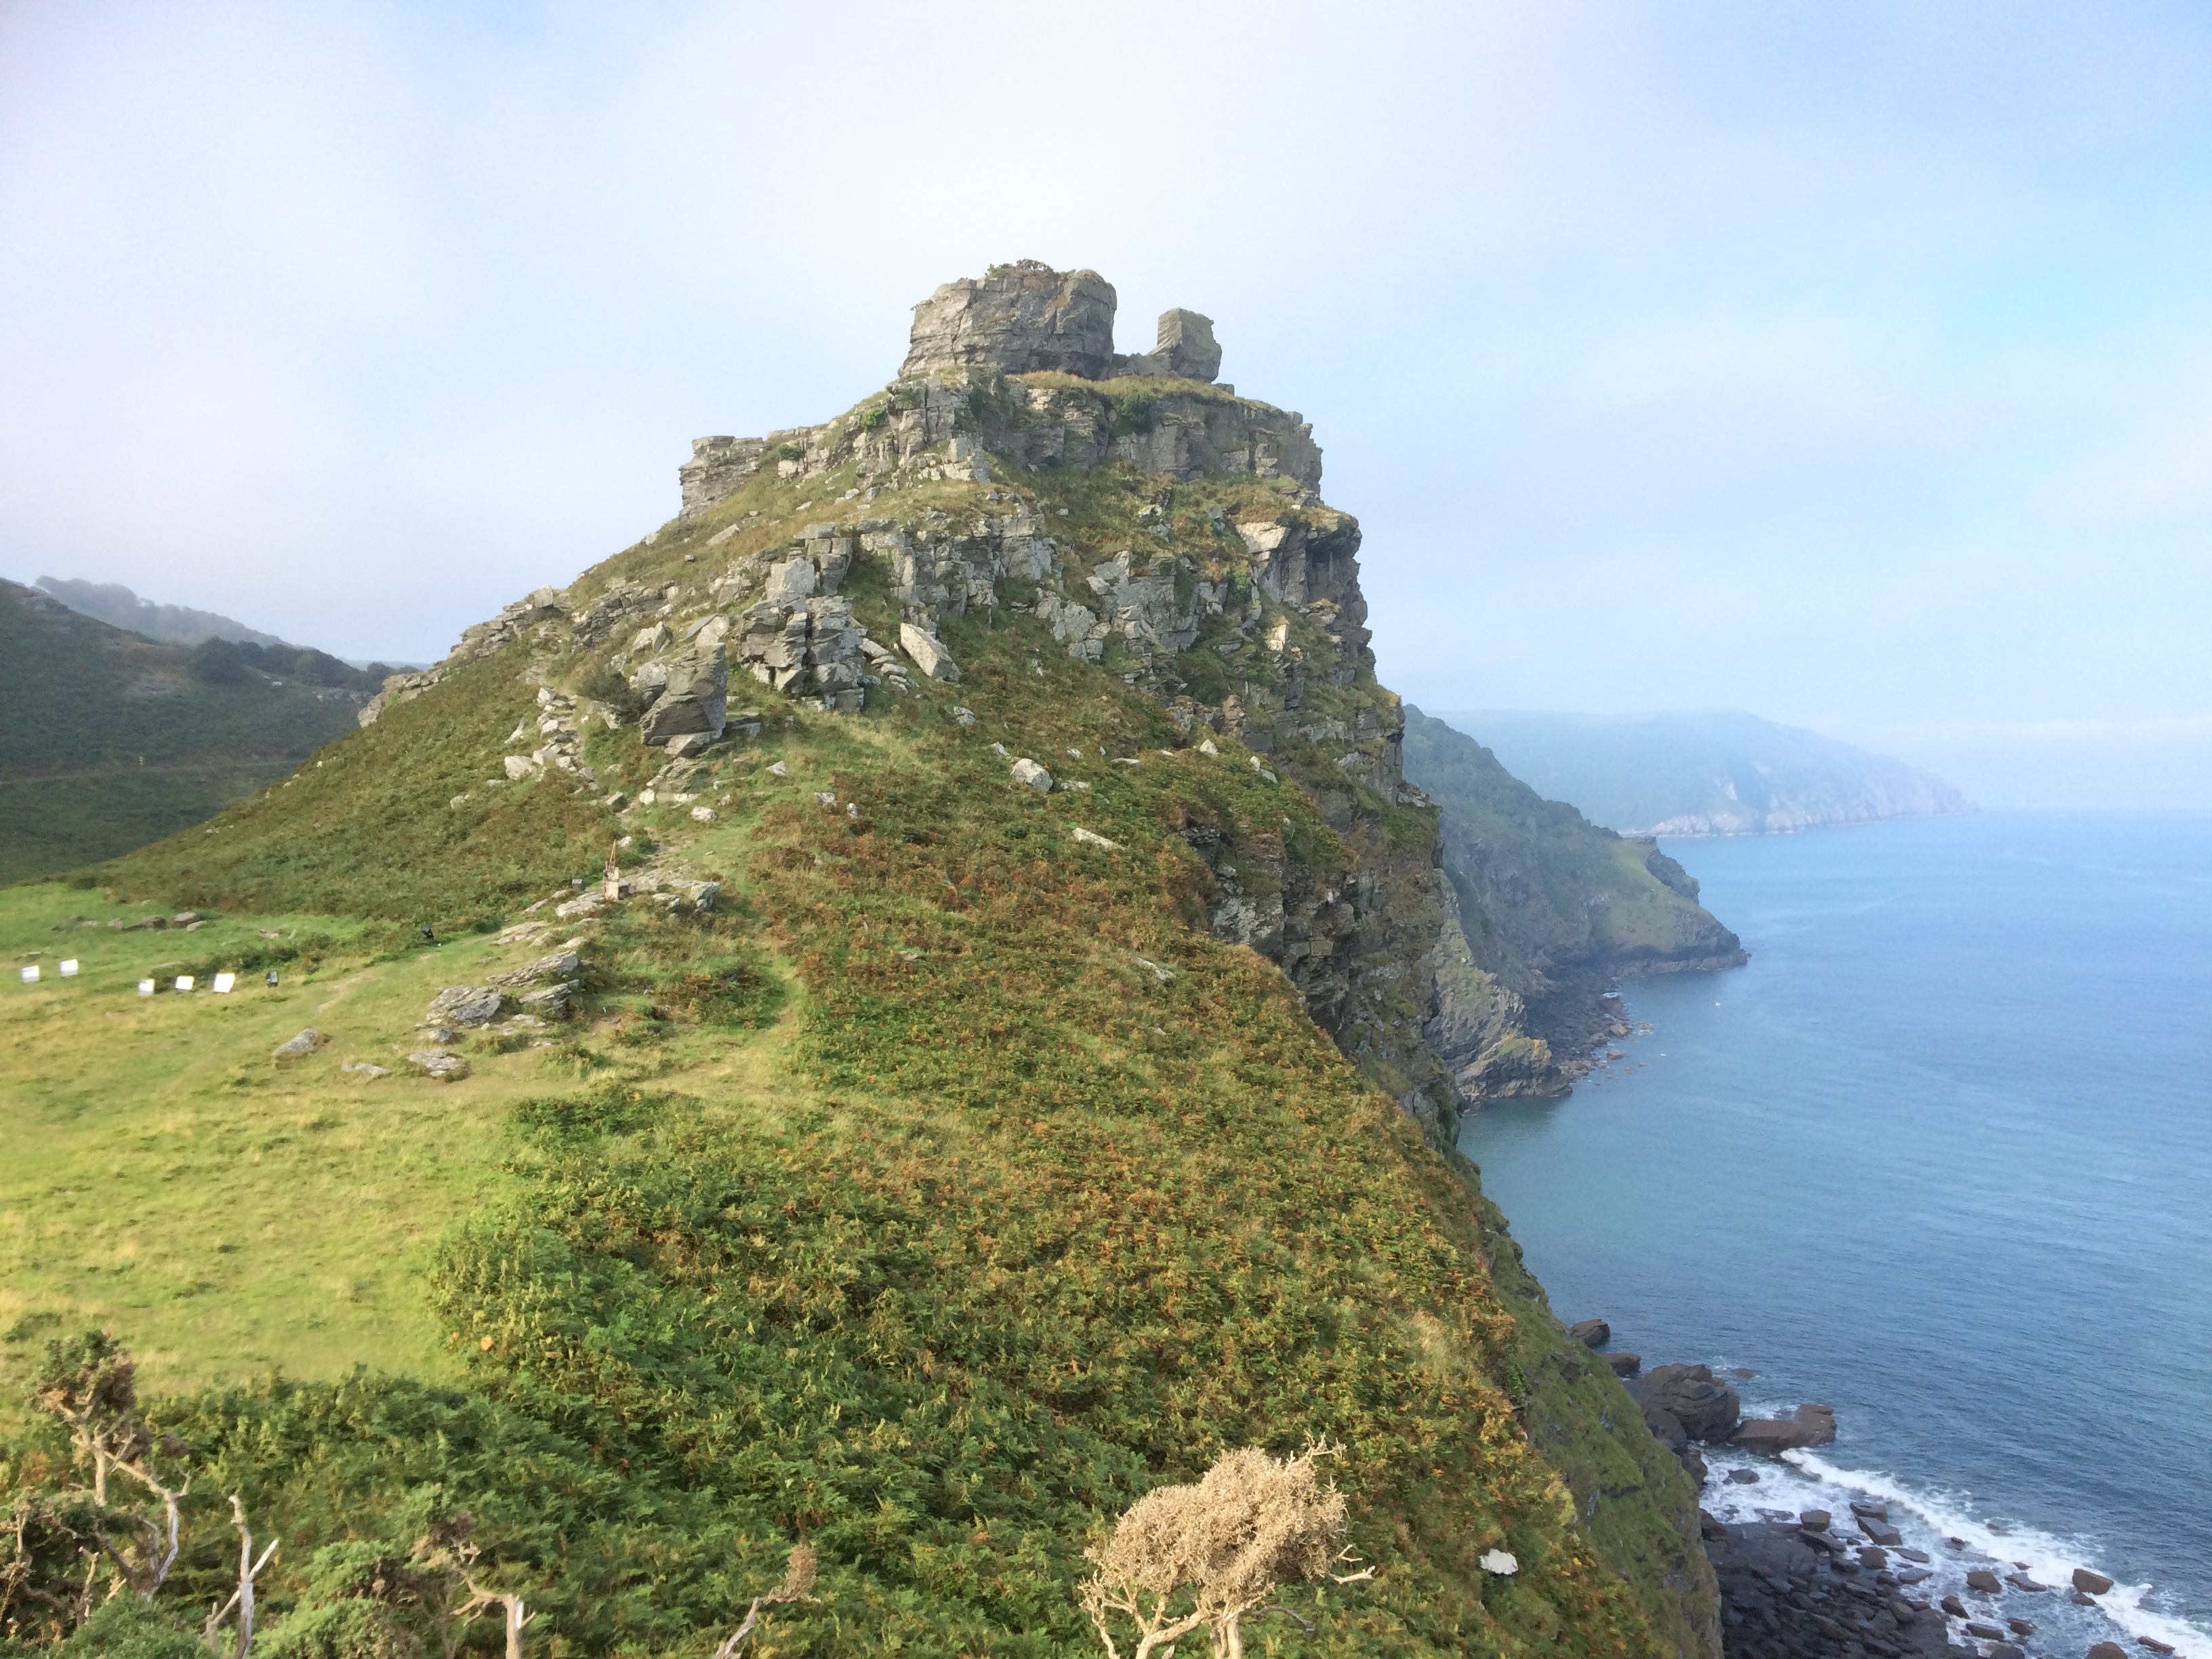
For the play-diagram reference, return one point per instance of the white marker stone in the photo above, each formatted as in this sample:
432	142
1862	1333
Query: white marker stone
145	987
69	969
184	981
31	975
222	983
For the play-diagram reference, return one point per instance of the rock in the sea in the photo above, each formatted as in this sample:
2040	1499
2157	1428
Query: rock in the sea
465	1006
1770	1436
2021	1581
928	652
1954	1606
294	1048
440	1065
2108	1650
1814	1520
2092	1584
1027	772
1623	1364
1591	1332
1982	1632
1744	1477
2154	1644
1870	1506
1707	1409
2020	1627
1982	1579
2005	1650
1880	1531
1693	1465
1666	1428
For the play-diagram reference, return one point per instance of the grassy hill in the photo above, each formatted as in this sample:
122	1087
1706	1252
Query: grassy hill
112	740
1718	773
1551	909
951	1182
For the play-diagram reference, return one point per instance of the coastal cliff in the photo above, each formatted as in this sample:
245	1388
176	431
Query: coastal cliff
987	1078
1546	911
1721	773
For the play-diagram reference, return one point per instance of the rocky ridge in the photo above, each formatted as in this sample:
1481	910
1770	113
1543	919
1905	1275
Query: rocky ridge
1243	618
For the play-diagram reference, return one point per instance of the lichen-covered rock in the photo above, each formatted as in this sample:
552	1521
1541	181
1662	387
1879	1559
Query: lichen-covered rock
694	697
465	1004
928	652
1016	318
438	1064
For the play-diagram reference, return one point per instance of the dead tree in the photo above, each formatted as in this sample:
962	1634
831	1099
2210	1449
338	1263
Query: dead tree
515	1614
90	1383
1215	1554
249	1568
798	1582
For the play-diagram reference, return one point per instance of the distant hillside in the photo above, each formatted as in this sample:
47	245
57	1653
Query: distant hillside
1551	909
1722	773
112	740
170	624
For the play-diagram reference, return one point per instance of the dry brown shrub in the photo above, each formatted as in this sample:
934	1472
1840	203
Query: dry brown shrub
1252	1524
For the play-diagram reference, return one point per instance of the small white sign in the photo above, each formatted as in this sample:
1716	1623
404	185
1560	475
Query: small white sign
69	969
145	987
31	975
222	983
184	981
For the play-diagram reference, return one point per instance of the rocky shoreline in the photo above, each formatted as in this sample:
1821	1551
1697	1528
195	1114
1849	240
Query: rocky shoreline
1804	1585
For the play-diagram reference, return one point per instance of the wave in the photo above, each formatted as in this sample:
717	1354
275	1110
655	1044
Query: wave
1804	1481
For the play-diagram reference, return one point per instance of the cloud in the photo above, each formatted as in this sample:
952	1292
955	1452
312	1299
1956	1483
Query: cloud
1773	355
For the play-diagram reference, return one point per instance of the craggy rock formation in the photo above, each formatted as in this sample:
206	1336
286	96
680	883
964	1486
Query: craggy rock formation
1787	1590
1017	319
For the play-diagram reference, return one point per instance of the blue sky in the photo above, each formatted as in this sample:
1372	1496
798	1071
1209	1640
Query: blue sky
1847	364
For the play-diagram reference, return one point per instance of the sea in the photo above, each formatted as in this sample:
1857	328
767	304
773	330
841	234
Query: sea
1940	1157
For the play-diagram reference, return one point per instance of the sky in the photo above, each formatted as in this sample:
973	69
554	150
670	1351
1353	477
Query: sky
1850	365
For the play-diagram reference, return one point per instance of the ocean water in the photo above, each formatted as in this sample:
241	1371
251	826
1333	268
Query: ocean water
1941	1156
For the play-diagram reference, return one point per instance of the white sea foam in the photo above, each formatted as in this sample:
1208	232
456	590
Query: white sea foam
1805	1481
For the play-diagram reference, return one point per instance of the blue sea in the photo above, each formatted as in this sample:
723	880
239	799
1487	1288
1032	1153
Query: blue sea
1941	1156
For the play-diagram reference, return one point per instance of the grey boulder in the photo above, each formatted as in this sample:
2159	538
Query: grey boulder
1707	1410
1591	1332
302	1044
439	1065
697	698
465	1004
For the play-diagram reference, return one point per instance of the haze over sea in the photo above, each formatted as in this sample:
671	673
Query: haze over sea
1939	1156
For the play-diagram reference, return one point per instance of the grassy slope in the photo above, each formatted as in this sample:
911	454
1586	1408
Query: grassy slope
1541	889
86	703
991	1230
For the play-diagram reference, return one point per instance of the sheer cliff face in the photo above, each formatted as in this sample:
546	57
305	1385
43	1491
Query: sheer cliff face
1233	596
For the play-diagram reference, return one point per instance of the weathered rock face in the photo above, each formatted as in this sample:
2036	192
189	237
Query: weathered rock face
693	695
1186	351
1017	319
1691	1397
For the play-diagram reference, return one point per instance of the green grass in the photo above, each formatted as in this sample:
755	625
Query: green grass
899	1204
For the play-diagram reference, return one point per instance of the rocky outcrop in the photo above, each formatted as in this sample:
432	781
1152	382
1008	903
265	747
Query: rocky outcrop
1690	1396
483	640
1016	318
1551	908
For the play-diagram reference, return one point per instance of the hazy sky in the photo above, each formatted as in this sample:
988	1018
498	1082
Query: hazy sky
1848	363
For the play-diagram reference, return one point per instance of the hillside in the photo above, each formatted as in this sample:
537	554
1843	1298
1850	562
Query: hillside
166	624
999	1089
1721	773
112	741
1550	909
